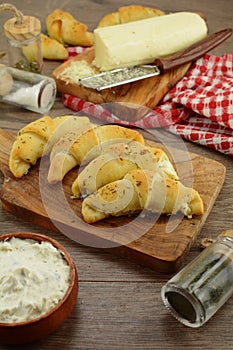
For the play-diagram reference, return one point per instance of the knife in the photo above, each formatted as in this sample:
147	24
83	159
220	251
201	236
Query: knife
120	76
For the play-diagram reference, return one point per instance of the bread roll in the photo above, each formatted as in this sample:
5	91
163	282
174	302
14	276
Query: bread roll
30	144
140	190
63	27
116	161
78	148
66	138
128	14
51	50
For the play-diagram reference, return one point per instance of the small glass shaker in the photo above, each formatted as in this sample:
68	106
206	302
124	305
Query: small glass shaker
23	36
28	90
197	292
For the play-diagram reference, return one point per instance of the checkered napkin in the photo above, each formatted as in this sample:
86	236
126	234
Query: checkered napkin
199	108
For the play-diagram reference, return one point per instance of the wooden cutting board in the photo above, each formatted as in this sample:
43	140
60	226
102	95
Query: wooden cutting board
124	100
162	246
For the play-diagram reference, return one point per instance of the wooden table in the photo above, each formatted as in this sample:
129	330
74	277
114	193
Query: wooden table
119	304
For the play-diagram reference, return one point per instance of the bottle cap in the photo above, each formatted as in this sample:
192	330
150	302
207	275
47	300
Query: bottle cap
20	31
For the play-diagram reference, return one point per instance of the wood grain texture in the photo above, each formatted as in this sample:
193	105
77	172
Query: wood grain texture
127	98
119	305
148	240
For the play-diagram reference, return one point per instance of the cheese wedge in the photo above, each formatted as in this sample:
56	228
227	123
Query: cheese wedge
143	41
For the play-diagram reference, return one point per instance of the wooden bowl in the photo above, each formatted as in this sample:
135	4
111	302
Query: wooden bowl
33	330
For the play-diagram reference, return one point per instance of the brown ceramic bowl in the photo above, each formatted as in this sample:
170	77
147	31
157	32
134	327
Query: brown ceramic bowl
38	328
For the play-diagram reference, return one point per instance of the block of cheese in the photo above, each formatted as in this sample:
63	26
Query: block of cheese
140	42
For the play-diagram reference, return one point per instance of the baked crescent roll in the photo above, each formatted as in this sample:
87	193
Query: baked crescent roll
128	14
140	190
68	124
51	50
63	141
81	146
30	144
63	27
116	161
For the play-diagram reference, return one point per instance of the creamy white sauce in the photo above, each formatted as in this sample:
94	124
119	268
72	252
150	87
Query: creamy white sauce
34	277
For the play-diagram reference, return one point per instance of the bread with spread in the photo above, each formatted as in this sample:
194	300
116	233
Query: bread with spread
141	190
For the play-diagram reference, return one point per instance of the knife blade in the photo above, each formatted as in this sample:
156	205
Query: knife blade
120	76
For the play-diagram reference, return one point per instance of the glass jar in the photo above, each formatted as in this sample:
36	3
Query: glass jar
195	293
27	90
24	41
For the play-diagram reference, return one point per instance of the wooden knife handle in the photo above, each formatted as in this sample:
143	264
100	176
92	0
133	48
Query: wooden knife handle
194	51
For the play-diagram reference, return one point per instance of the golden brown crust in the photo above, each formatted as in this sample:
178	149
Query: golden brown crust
116	161
52	49
30	144
128	14
63	27
81	148
144	190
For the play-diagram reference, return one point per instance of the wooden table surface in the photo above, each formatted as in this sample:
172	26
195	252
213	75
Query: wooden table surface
119	304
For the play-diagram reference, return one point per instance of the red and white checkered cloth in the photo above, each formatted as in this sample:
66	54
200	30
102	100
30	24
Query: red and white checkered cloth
199	108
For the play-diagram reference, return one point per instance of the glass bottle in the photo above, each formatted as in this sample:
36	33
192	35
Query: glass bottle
197	292
26	89
23	36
